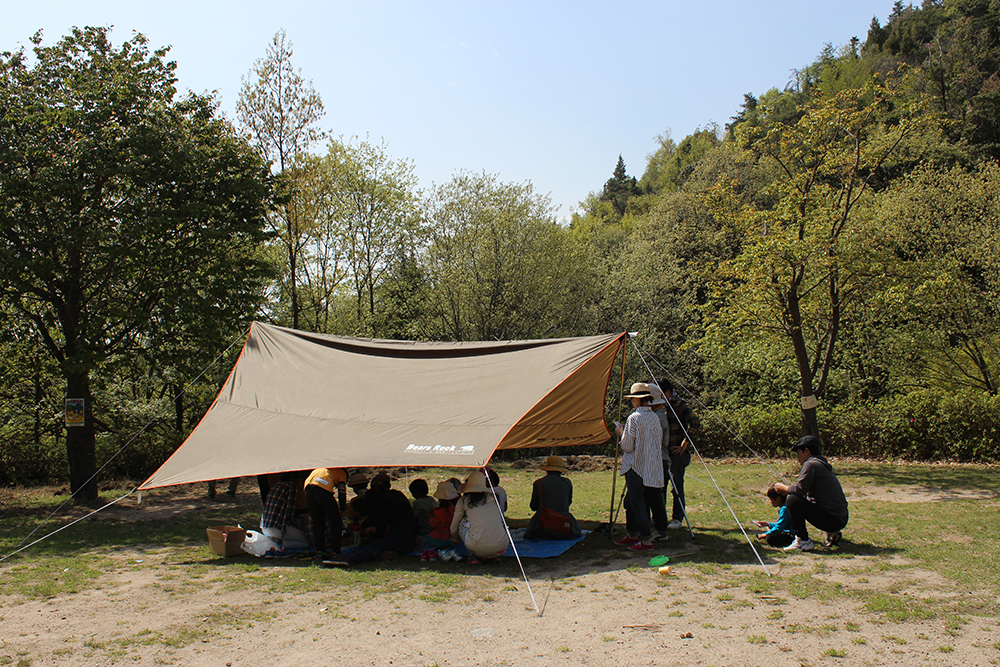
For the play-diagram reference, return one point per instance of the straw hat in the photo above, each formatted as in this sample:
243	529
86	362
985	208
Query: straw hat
638	390
357	479
555	464
658	397
476	483
445	491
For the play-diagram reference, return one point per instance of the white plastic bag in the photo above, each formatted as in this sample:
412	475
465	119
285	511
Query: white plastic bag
258	544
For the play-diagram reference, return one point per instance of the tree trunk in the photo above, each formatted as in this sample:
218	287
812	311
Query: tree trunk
178	407
810	425
80	448
292	268
37	372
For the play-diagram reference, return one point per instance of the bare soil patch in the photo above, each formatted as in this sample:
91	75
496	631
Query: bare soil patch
148	611
185	606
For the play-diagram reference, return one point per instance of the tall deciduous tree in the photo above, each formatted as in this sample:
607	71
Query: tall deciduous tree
804	261
124	212
500	265
280	110
944	228
373	201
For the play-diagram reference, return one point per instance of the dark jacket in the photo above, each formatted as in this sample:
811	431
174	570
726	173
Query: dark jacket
553	492
817	483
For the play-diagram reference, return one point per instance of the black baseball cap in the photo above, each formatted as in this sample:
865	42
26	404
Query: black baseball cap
810	442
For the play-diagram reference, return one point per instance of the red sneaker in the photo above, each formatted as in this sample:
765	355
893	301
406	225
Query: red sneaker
639	546
626	541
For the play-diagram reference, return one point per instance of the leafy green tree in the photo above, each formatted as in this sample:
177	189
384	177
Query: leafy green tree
405	294
31	417
500	265
774	106
658	163
668	171
956	45
944	228
804	262
324	265
124	212
374	204
280	110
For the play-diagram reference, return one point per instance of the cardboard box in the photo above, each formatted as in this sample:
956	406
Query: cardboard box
226	540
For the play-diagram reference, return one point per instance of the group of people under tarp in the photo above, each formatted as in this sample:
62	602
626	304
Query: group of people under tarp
380	522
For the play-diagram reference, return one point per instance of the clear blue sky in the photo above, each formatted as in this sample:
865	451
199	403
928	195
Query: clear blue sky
550	91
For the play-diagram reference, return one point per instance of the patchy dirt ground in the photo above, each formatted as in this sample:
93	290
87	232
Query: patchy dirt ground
187	607
148	611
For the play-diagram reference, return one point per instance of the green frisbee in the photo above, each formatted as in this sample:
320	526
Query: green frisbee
657	561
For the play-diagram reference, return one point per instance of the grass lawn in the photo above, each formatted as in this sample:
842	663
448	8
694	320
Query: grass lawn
905	518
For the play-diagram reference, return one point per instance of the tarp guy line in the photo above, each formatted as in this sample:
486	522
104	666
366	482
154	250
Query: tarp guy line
126	445
61	528
511	539
690	394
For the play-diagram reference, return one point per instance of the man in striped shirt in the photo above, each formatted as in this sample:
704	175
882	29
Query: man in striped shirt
642	467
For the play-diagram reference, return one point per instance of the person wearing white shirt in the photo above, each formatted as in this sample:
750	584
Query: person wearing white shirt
642	467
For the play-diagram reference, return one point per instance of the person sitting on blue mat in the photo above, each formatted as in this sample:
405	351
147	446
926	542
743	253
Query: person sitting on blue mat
478	521
554	494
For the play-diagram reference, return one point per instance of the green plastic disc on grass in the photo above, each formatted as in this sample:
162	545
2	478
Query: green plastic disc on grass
657	561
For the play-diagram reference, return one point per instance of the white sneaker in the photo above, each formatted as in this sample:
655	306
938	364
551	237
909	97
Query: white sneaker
676	523
798	544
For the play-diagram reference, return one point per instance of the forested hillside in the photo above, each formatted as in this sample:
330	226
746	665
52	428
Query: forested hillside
827	262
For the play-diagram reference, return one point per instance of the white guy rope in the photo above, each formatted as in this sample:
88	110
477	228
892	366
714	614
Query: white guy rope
125	446
691	395
61	528
705	465
511	540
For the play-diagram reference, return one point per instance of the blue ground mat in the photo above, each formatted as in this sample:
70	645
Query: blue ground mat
528	548
540	548
525	548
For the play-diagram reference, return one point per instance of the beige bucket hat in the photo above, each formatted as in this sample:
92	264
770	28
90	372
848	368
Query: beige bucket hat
555	464
476	483
446	491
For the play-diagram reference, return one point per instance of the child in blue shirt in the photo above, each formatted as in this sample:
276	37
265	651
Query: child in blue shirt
779	533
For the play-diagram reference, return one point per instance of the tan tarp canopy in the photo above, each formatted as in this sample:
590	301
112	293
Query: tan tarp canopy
298	401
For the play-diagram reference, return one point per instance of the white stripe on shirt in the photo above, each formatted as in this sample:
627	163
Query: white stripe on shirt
641	442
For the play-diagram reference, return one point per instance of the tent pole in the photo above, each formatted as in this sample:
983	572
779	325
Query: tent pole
612	515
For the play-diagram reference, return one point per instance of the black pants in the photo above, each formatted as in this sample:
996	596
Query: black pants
673	471
654	501
779	539
325	515
401	539
802	510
